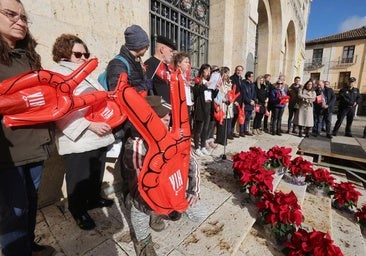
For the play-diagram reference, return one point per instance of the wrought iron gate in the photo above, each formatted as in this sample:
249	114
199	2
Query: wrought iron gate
186	23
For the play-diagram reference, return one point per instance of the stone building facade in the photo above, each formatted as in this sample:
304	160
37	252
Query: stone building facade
264	36
336	58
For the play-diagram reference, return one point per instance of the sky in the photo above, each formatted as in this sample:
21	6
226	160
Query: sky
329	17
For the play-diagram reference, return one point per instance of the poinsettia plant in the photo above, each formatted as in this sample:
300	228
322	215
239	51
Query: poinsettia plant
253	177
300	167
345	195
278	157
311	243
281	211
361	216
321	178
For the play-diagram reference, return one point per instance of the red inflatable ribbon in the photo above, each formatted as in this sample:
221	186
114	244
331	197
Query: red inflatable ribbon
163	179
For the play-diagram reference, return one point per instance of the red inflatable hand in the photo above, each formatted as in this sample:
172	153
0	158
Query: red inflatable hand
241	115
163	179
284	100
42	96
231	95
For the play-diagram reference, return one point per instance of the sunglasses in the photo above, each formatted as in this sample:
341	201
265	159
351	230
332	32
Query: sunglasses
79	54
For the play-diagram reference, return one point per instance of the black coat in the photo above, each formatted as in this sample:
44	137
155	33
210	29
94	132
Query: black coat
238	81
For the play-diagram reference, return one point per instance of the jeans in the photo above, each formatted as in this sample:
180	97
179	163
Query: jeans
18	208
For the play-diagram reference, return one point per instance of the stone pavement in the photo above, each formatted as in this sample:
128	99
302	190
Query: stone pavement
230	227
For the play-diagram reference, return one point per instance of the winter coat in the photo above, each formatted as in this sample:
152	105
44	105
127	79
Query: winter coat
22	145
305	115
73	135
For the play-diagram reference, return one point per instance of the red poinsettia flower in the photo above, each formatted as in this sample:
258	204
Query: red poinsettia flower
279	157
345	194
254	178
300	167
361	215
313	243
321	178
280	208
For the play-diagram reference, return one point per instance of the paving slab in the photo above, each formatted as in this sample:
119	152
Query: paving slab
346	234
316	210
223	232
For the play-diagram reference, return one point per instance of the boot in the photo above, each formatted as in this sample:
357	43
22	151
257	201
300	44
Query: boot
300	131
156	223
364	132
145	247
255	132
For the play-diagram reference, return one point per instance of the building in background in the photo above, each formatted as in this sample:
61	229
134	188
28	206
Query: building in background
336	58
264	36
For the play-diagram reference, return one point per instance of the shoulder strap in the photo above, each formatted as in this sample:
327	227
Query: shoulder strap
119	57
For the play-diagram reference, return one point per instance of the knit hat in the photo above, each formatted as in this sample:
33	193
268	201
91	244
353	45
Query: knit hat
160	106
136	38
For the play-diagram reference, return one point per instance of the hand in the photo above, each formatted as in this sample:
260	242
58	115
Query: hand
192	199
99	128
252	102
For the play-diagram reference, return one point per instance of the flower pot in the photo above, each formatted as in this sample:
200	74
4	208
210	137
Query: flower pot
340	207
317	191
251	198
296	180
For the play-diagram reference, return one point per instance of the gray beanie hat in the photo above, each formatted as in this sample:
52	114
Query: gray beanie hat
136	38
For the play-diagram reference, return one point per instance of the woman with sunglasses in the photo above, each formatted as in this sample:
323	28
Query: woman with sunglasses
24	149
81	143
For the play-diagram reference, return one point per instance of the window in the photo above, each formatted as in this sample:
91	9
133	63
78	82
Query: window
343	79
348	53
186	22
317	57
315	76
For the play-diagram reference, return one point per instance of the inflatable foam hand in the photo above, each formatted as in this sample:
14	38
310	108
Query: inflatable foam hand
284	100
197	80
219	116
162	182
42	96
241	115
231	95
107	111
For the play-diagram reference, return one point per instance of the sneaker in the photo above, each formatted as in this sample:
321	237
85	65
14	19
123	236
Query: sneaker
204	151
42	250
198	152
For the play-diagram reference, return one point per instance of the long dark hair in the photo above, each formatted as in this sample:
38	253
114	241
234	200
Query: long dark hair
28	43
202	68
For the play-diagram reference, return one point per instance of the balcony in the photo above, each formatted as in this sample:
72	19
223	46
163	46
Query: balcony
313	65
343	62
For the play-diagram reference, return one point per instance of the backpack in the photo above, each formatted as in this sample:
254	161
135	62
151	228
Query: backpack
102	78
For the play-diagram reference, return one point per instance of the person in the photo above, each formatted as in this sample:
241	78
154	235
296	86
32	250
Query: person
181	62
349	96
136	45
249	100
81	143
136	149
23	150
293	105
278	107
202	97
304	116
157	67
269	87
323	108
224	130
237	80
261	106
214	90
